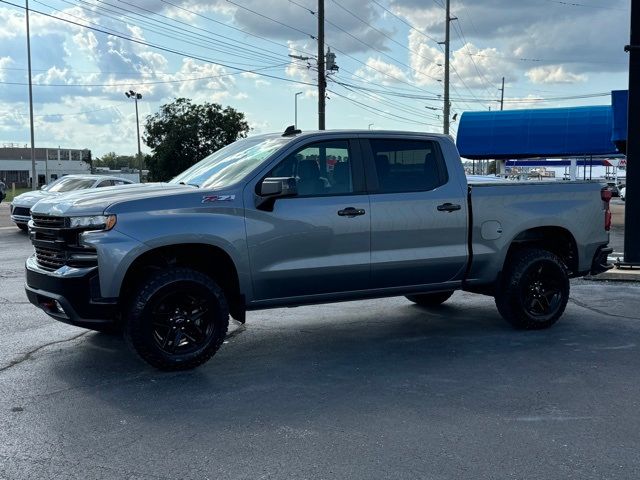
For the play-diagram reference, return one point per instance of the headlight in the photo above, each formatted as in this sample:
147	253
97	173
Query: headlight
95	222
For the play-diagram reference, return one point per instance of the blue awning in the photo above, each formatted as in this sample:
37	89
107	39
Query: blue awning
619	103
545	132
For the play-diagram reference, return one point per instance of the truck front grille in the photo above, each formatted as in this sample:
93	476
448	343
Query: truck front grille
57	245
47	221
50	259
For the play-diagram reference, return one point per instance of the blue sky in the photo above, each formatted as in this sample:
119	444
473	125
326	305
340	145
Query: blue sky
236	52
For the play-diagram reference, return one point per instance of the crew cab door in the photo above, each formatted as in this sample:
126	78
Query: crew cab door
317	242
418	213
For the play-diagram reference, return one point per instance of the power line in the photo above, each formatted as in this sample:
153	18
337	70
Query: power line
234	41
235	51
192	12
155	82
387	115
575	4
159	47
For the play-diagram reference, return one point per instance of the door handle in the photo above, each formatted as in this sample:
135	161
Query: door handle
351	212
448	207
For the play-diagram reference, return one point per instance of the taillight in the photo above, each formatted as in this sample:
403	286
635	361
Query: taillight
605	194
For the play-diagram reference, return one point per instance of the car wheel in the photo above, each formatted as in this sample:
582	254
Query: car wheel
430	299
177	319
23	227
535	289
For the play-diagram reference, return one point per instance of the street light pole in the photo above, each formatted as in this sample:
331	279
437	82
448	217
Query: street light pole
137	96
295	121
34	176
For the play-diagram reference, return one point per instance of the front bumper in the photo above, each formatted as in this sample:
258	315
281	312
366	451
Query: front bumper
70	295
20	219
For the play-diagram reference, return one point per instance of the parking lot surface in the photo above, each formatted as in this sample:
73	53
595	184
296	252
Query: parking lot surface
372	389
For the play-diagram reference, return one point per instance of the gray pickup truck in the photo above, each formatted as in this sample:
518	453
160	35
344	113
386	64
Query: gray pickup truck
305	218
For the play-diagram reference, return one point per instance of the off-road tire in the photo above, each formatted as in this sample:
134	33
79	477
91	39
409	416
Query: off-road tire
139	325
517	299
430	299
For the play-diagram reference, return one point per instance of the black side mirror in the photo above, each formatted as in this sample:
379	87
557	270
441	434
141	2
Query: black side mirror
275	187
278	186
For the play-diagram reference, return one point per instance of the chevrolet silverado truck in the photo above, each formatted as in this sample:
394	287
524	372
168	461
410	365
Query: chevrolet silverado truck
306	218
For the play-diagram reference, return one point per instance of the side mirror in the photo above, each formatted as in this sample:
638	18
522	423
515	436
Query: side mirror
275	187
278	187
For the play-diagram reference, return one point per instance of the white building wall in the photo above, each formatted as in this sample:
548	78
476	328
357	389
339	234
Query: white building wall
52	168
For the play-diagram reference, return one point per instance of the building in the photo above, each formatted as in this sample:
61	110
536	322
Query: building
51	163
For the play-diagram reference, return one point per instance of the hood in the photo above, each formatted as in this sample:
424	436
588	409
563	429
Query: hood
29	199
96	201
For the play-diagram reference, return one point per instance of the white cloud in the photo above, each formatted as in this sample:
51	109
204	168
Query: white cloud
381	72
554	74
5	62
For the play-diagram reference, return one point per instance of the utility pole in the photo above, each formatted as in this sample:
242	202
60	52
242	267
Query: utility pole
34	176
447	103
321	76
137	96
502	95
295	114
632	201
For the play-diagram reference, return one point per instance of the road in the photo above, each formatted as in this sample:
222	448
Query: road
376	389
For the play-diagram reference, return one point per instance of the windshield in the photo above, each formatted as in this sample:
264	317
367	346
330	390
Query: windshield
231	163
67	184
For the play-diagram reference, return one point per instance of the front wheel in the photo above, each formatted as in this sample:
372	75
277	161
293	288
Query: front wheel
177	319
23	226
535	290
430	299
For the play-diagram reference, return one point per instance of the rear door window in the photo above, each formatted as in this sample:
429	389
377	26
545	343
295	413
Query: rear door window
405	165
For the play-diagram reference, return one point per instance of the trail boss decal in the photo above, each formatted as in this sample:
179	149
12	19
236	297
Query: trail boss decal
218	198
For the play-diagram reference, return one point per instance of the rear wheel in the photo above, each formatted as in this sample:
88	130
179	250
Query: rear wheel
178	319
535	290
430	299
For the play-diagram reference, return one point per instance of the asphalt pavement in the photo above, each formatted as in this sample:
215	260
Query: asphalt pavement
377	389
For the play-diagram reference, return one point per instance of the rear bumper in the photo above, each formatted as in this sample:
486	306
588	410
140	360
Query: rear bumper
71	296
601	260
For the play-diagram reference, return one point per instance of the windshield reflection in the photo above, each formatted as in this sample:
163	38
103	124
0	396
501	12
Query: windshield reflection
231	163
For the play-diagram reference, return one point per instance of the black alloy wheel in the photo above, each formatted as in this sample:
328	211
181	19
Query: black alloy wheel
182	321
541	290
534	290
177	319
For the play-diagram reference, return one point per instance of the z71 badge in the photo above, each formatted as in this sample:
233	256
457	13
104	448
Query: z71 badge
218	198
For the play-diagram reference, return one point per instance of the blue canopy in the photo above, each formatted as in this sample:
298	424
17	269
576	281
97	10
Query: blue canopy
619	103
545	132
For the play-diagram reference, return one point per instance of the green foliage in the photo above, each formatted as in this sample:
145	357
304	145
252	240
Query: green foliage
115	162
183	133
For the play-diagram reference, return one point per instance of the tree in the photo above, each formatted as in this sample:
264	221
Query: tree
183	133
114	161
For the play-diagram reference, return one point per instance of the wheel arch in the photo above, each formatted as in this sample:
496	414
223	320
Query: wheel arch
206	258
554	239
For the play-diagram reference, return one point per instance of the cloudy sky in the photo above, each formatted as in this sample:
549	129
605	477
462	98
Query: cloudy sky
237	53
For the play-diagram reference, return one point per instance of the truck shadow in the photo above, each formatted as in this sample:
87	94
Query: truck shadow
304	359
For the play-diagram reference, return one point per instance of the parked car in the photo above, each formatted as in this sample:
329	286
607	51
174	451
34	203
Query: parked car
614	189
265	223
22	203
623	193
